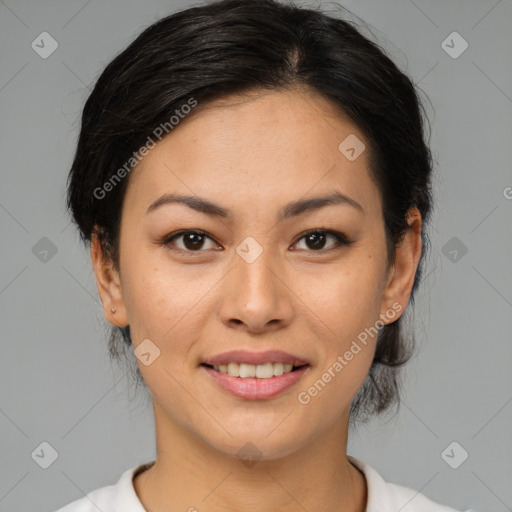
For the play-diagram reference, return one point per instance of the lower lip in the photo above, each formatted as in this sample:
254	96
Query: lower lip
253	388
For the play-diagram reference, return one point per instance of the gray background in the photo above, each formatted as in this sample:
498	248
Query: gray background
56	381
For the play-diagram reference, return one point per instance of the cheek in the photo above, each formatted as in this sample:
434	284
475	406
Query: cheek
348	305
347	297
163	299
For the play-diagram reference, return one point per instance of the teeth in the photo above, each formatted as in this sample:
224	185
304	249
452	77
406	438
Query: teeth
247	371
260	371
278	369
264	371
232	369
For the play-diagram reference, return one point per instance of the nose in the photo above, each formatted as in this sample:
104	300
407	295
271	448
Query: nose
255	295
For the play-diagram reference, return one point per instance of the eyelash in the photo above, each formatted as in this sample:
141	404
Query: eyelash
341	239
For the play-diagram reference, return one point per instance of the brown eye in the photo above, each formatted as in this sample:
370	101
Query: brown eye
315	240
193	240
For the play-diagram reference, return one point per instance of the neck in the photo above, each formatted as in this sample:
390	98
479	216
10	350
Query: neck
191	475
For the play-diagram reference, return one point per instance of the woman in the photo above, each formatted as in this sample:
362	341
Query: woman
254	183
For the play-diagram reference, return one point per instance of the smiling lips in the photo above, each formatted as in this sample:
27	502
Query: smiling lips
260	365
255	375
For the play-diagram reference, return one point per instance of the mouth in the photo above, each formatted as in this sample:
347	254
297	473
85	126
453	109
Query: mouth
254	375
252	371
255	382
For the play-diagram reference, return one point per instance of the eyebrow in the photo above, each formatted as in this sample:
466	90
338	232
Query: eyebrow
292	209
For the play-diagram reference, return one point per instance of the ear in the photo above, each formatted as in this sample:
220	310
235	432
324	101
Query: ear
109	284
401	275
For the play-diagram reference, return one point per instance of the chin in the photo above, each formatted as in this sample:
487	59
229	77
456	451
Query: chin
253	445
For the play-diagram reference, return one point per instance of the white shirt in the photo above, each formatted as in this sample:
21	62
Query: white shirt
382	496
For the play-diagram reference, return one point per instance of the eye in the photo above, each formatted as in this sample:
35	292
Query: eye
193	240
315	240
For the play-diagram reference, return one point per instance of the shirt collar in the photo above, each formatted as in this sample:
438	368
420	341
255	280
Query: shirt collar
378	499
126	498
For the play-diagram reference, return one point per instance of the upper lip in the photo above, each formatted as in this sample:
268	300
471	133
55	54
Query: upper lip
255	358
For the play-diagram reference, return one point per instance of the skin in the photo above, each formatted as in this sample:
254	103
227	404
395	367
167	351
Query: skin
252	155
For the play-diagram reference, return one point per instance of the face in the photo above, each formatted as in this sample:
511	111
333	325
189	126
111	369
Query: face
247	275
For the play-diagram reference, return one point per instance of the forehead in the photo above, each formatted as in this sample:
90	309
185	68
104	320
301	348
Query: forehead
259	147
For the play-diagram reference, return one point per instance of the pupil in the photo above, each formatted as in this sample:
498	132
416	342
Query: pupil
312	236
192	237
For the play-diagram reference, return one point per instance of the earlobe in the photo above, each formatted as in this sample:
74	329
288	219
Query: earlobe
108	283
402	274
